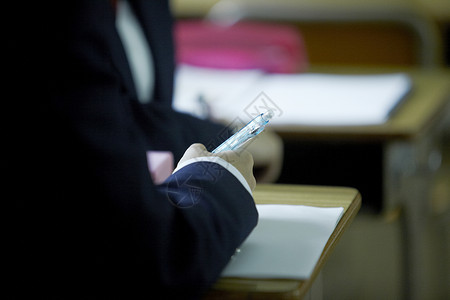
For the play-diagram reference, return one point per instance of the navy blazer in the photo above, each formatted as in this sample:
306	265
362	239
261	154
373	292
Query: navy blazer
88	220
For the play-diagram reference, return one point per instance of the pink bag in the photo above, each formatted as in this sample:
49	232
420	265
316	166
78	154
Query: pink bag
245	45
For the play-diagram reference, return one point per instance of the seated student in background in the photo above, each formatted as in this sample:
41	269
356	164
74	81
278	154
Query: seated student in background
89	221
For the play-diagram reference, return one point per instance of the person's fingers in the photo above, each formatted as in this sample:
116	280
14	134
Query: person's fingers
195	150
241	159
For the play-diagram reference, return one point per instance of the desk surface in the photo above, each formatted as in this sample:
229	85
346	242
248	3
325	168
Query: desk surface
202	7
348	198
438	9
429	99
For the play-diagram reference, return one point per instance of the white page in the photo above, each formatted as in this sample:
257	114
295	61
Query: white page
301	99
214	85
286	243
321	99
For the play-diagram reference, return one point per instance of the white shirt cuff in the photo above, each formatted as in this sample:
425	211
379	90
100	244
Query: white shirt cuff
215	159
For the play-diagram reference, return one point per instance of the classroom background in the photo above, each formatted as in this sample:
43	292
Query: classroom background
369	261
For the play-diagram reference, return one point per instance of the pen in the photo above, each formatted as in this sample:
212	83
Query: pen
249	131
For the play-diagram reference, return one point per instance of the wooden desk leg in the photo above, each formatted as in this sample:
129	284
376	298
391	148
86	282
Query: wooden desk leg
316	290
416	224
408	181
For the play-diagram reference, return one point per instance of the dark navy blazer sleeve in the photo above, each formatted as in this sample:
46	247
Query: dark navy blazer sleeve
88	220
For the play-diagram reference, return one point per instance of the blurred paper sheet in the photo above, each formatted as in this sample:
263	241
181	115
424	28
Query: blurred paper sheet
304	99
287	242
214	86
320	99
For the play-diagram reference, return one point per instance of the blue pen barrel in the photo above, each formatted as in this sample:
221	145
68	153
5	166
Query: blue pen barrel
252	129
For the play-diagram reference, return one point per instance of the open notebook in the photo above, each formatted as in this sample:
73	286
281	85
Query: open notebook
287	242
298	99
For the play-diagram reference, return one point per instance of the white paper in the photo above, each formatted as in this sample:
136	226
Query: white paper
301	99
286	243
214	85
321	99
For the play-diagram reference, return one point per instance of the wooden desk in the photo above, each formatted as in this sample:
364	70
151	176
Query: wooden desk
424	104
439	9
243	288
203	7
